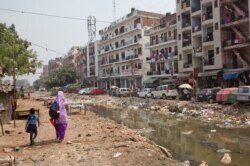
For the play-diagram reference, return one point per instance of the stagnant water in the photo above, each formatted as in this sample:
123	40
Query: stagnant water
187	139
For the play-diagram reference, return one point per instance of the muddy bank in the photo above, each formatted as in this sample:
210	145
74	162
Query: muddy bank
90	140
227	116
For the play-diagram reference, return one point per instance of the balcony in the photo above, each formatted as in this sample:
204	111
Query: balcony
196	28
116	35
198	52
206	1
186	43
236	43
162	57
187	65
228	22
161	41
207	18
209	63
185	4
208	40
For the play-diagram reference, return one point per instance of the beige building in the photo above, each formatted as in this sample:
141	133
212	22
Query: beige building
163	59
235	37
199	40
122	53
92	63
45	73
55	64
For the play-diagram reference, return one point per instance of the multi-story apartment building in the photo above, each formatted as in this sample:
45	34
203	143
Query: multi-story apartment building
70	59
163	57
92	62
55	64
235	37
81	63
199	41
122	53
45	73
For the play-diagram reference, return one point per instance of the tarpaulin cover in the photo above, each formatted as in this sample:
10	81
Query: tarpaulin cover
230	76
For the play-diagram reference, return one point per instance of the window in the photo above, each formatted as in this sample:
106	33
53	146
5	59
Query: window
210	56
123	55
243	90
180	57
179	36
123	67
189	58
216	3
216	26
217	50
179	18
139	51
139	65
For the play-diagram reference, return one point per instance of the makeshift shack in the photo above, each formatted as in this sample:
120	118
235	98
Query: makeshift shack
5	103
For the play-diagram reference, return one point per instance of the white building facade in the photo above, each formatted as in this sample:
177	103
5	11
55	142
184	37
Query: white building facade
122	53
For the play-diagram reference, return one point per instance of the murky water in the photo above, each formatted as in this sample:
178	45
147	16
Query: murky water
187	139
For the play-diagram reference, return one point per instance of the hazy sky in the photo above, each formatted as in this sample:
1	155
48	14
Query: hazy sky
61	34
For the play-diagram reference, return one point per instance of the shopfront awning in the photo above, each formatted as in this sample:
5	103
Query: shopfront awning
231	75
150	80
209	73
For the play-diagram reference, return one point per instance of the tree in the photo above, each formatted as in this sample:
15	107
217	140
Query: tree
61	77
15	56
38	83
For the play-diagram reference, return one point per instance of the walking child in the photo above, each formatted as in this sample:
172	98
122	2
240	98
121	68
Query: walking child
31	126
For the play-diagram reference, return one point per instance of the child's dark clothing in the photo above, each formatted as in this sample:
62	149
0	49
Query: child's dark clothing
32	128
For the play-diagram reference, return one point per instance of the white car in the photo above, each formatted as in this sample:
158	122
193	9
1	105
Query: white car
243	95
144	93
164	92
83	91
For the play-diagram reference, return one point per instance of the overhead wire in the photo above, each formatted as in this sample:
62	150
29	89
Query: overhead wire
50	15
48	49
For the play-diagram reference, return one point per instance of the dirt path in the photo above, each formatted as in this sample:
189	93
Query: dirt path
90	140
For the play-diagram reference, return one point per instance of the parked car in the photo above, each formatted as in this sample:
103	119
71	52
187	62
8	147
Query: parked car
145	92
122	92
208	95
227	95
97	91
83	91
243	95
164	91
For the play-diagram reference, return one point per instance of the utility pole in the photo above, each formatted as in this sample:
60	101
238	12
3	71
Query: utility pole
14	81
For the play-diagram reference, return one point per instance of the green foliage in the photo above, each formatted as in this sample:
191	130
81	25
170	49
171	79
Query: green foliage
15	56
38	83
61	78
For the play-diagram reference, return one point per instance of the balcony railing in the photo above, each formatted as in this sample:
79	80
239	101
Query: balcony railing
196	28
187	65
186	43
208	62
208	38
162	40
185	4
207	16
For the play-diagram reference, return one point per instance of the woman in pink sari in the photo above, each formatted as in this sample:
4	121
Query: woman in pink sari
62	122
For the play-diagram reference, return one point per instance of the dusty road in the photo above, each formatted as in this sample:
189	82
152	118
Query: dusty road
90	140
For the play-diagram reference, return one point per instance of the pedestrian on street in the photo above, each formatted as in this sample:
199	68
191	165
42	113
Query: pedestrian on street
22	92
62	122
31	127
